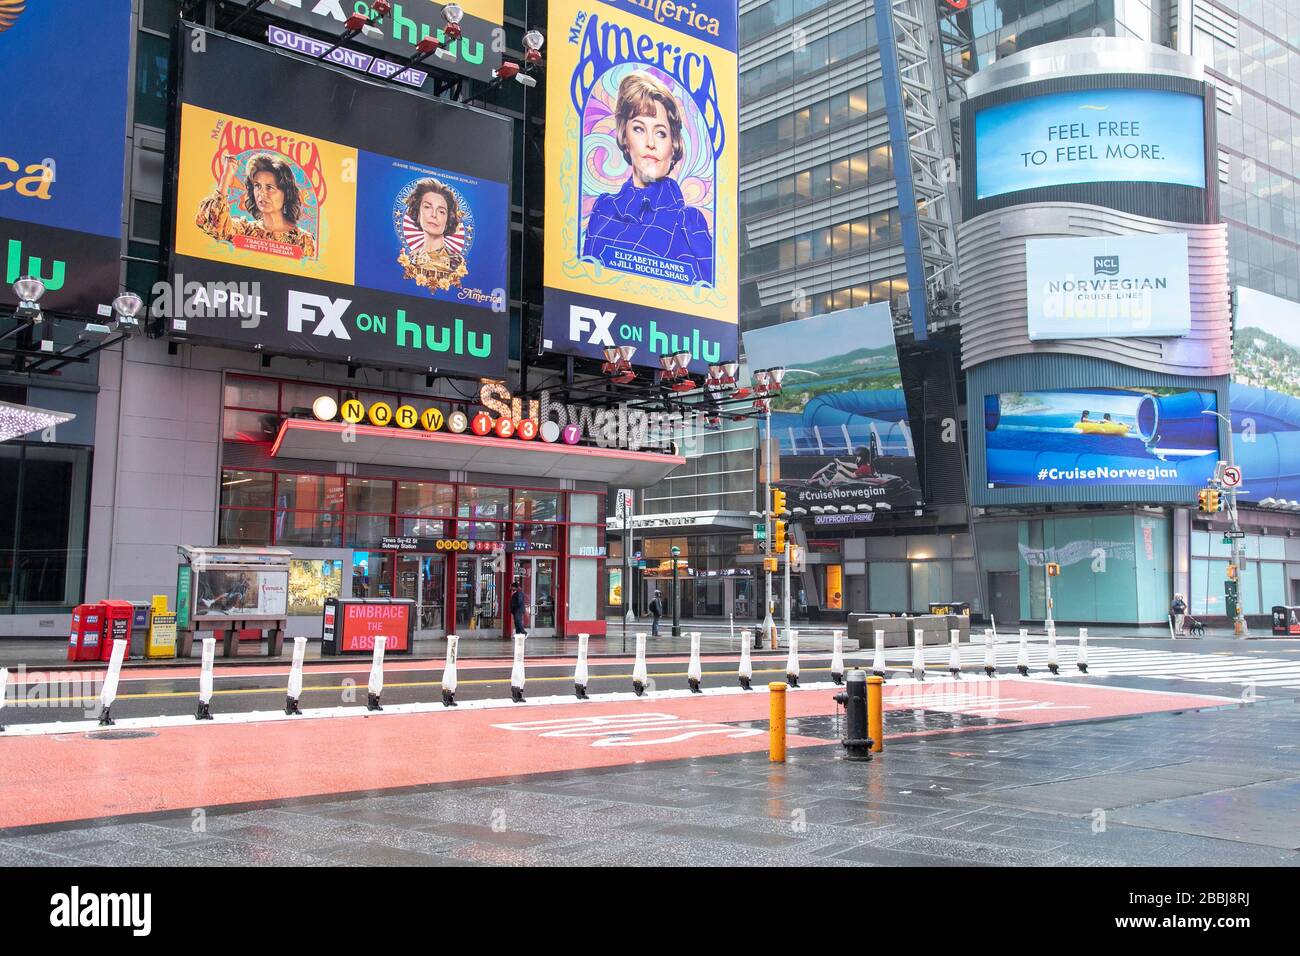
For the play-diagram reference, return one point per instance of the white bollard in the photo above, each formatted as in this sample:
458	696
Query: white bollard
639	679
375	686
108	693
205	679
994	621
746	671
580	668
878	662
517	671
792	659
1053	664
918	655
954	653
295	676
731	627
837	656
1082	660
990	652
4	688
1022	658
449	671
694	672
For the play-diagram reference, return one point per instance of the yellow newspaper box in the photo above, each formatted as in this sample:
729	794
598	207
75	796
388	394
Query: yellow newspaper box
162	630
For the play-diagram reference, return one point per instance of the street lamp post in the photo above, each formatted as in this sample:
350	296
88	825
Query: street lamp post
1239	617
769	625
677	626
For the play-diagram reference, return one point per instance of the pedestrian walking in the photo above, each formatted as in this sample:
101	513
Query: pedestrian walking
1179	611
517	609
656	611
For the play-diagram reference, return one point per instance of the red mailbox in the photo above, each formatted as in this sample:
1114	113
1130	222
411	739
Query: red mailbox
87	632
117	626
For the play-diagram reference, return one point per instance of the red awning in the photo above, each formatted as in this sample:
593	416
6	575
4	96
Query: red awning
413	448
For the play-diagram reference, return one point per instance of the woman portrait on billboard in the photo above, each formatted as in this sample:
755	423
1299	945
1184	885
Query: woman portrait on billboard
271	197
649	213
433	236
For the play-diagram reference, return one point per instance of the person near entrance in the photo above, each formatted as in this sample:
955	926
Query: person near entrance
517	609
656	611
1179	611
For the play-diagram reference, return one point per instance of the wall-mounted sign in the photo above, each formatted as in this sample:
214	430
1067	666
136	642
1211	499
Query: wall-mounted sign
433	545
1105	287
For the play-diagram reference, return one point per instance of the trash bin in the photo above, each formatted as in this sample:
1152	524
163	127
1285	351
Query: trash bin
950	607
87	632
117	626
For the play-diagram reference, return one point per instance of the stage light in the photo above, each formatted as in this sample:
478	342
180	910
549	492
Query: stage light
452	13
29	290
506	70
533	41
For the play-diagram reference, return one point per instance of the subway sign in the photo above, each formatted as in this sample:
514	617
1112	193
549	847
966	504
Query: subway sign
504	416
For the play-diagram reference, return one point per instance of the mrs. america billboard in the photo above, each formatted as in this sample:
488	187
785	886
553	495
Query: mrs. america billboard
641	202
333	217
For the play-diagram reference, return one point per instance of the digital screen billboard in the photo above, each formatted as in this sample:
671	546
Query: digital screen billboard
62	148
641	210
1090	136
841	416
328	216
1105	287
1266	341
1097	437
476	54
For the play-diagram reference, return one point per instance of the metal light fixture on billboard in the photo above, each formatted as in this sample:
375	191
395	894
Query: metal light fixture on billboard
506	71
126	309
762	377
776	375
864	507
452	13
29	290
533	41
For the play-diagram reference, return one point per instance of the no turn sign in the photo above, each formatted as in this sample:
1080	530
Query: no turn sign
1231	476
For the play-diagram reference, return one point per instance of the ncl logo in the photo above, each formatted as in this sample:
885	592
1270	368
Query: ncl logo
1105	265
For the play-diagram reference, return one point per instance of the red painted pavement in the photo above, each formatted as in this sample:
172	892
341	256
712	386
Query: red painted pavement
74	776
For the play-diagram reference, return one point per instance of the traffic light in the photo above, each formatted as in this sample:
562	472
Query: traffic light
1212	502
1232	572
1203	501
778	502
778	535
769	564
1053	570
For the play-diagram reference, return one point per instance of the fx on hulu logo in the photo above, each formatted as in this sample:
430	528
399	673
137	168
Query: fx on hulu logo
1105	265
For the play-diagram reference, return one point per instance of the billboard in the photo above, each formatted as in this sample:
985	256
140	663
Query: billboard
841	416
62	149
336	218
1108	287
1266	342
641	139
1097	437
1090	136
476	54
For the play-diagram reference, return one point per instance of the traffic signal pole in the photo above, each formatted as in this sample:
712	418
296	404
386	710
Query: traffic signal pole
1238	553
787	590
769	625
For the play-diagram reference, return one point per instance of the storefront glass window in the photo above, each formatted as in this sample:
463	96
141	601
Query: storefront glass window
308	530
538	505
585	509
482	530
371	495
310	493
476	502
422	528
246	489
426	498
252	393
367	531
537	537
584	590
44	491
245	528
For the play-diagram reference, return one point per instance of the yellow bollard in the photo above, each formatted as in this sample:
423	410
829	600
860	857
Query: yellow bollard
876	713
776	722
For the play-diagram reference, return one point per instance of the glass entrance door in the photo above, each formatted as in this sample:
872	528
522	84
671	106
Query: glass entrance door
478	597
536	578
420	579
